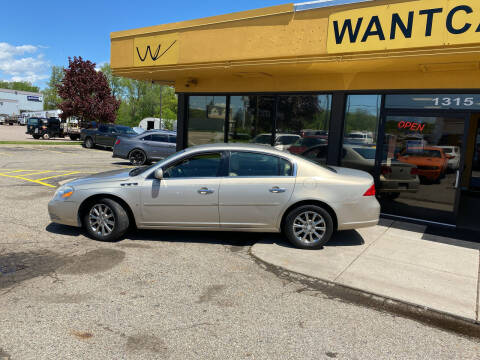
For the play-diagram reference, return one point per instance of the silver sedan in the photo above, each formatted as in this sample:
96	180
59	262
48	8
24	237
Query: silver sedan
223	187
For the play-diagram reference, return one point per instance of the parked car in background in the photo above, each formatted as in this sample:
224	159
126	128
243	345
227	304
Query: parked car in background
2	120
44	128
359	137
282	141
431	162
144	148
104	135
303	144
453	155
395	177
320	133
228	187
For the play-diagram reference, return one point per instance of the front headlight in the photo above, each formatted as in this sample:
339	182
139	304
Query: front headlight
64	192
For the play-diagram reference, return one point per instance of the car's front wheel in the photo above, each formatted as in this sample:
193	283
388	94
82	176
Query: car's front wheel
106	220
89	144
137	157
308	227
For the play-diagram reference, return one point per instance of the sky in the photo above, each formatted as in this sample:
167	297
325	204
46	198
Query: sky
34	35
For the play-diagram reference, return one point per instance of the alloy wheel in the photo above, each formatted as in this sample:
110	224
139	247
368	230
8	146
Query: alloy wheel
309	227
102	219
137	157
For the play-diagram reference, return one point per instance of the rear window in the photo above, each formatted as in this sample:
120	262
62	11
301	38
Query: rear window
367	153
262	139
125	130
32	121
160	137
287	140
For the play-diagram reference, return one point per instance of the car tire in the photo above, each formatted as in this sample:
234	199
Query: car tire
73	137
106	220
137	157
36	137
308	227
88	143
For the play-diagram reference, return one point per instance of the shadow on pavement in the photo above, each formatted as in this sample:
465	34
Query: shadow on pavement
64	230
242	239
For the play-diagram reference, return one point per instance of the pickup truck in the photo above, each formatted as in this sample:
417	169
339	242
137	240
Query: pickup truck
104	135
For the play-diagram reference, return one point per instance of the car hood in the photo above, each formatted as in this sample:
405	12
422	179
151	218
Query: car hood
108	176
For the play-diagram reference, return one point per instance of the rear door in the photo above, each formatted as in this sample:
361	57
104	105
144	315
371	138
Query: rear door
159	145
101	137
256	190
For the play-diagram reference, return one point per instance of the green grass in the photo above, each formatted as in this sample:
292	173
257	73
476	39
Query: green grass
40	142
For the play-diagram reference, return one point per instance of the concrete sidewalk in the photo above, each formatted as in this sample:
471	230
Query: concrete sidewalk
393	260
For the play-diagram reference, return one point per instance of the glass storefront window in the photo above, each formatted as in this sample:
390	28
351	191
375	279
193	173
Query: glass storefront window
251	119
362	117
303	124
206	119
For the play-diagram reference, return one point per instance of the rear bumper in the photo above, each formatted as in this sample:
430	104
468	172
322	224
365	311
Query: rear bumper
363	213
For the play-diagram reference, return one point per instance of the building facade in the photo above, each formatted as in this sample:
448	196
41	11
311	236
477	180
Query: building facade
391	87
14	102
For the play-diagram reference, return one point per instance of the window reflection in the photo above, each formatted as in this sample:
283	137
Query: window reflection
251	119
206	119
302	125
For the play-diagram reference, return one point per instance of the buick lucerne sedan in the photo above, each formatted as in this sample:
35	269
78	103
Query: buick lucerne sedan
223	187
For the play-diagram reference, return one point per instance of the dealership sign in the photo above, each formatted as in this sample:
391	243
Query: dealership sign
405	25
34	98
156	50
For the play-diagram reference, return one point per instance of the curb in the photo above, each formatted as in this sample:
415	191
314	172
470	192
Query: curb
335	291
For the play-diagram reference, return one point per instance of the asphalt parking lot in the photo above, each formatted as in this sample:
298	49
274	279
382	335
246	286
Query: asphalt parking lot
168	295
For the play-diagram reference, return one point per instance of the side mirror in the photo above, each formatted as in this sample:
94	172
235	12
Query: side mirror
159	174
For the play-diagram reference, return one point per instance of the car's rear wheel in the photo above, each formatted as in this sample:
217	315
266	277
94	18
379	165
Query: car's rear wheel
137	157
36	137
106	220
74	137
308	227
89	143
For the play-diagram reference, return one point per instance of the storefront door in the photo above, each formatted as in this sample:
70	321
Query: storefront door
469	204
421	165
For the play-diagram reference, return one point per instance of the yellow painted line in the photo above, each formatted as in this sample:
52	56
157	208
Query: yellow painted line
51	177
16	171
27	179
37	173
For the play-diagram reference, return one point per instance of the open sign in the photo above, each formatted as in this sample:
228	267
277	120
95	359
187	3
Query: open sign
412	126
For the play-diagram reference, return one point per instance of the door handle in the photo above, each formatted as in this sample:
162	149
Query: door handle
205	191
277	190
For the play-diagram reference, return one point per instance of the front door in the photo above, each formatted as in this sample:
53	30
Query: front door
257	189
187	196
470	180
430	149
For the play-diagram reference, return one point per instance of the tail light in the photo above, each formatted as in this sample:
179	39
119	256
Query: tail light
117	142
370	191
414	171
386	170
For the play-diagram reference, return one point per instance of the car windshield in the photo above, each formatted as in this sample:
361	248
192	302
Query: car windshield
309	142
367	153
424	153
287	140
140	170
356	136
125	130
33	121
262	139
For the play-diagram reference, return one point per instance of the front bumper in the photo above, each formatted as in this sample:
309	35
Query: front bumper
64	212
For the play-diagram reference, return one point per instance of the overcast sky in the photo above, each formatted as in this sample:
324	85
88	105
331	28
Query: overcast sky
34	35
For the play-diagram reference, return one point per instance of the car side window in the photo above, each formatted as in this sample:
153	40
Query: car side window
147	138
197	166
258	165
172	139
112	130
160	137
102	128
